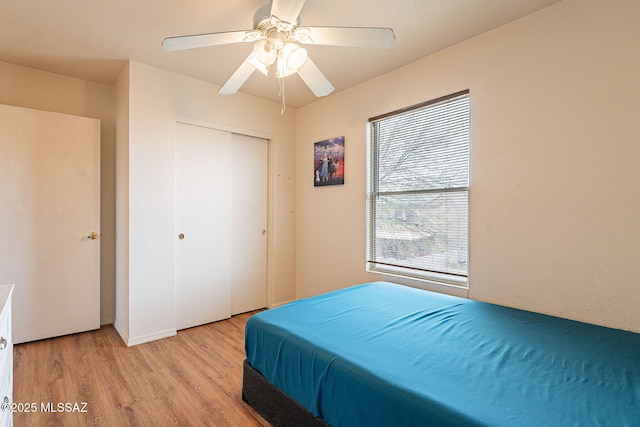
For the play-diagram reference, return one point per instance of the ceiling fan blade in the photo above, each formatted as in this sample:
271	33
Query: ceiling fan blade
313	77
202	40
238	78
287	10
368	37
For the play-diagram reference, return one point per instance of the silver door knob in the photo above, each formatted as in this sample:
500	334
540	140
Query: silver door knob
181	236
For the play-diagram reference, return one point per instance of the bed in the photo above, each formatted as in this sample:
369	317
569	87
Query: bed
382	354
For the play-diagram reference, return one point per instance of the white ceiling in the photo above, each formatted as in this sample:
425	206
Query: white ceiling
92	39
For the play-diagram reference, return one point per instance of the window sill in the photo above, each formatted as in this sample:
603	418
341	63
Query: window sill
431	279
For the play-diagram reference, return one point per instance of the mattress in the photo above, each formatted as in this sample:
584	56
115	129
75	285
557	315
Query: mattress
381	354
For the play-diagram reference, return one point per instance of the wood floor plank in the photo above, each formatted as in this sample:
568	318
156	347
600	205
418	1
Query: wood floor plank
192	379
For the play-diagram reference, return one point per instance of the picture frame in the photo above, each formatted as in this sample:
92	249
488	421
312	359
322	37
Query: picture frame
328	162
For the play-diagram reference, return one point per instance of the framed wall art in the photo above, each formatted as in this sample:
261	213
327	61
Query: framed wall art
328	162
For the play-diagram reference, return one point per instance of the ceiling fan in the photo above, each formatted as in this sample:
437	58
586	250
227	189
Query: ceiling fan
276	34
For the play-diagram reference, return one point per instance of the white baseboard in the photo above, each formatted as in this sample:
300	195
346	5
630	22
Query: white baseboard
281	303
106	321
141	339
120	331
131	341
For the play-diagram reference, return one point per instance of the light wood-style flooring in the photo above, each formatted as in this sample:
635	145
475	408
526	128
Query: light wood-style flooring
192	379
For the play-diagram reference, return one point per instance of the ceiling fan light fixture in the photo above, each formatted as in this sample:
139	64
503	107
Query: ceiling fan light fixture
282	70
265	52
290	58
295	56
264	69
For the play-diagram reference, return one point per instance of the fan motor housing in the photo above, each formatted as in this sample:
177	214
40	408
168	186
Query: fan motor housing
262	19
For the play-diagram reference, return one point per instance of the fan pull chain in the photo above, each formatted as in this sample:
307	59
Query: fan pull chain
281	85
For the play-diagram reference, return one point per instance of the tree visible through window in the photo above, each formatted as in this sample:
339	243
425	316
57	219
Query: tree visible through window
418	191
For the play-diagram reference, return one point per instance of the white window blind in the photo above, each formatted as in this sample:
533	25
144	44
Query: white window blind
418	191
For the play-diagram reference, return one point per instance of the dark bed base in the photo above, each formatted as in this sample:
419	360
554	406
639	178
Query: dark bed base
272	403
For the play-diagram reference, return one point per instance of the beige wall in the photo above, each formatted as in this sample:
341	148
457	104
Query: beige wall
555	164
121	320
30	88
554	167
155	100
141	109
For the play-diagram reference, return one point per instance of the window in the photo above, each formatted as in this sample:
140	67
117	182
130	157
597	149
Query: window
418	191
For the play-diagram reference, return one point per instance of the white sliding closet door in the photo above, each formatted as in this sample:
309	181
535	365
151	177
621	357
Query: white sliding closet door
221	220
249	223
50	221
203	235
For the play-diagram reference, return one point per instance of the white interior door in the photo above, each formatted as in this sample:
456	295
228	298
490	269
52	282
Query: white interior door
203	235
49	208
249	223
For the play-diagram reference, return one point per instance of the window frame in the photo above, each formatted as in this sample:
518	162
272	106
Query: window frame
374	263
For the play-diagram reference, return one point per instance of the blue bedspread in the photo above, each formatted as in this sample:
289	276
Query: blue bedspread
382	354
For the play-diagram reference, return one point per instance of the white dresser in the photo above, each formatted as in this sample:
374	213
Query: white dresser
6	357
